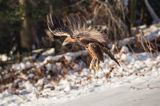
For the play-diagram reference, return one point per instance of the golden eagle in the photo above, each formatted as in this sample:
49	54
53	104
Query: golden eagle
91	39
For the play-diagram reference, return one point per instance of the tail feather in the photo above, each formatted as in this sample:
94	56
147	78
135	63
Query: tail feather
110	55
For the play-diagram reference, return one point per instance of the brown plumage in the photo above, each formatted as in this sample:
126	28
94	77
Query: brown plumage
90	38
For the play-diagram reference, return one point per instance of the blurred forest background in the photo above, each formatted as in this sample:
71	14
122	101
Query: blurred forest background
23	22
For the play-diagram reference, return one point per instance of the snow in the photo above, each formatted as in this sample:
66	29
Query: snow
3	57
135	95
136	82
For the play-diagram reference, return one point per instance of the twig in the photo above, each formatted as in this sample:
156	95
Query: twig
151	11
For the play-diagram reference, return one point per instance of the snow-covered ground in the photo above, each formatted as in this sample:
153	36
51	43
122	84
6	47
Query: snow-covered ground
136	82
144	93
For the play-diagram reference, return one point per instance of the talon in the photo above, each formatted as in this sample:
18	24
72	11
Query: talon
95	69
94	65
91	64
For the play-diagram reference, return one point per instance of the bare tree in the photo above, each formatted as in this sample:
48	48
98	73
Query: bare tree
26	34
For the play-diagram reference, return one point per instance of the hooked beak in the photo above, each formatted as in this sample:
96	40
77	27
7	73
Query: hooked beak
68	40
65	43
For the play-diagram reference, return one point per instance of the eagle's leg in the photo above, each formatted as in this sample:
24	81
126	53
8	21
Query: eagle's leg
94	65
91	66
96	54
97	67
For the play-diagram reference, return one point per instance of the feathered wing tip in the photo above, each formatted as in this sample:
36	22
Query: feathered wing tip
49	24
56	27
70	24
73	26
76	23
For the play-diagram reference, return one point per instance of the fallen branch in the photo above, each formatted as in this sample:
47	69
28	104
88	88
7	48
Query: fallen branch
151	36
70	56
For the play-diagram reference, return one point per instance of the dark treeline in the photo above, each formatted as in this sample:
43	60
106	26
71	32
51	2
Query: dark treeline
23	22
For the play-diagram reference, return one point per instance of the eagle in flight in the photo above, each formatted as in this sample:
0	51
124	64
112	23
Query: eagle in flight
91	39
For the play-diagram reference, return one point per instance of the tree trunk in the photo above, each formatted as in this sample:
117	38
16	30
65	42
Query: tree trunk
26	34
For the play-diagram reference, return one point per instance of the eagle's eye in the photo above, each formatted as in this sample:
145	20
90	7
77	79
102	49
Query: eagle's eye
72	37
79	35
